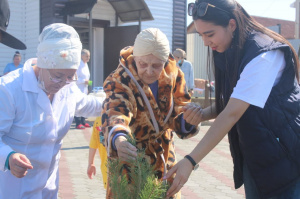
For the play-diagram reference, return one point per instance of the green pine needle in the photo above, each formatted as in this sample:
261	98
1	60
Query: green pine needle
144	184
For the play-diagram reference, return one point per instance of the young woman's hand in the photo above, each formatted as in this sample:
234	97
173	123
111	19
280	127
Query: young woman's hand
19	164
126	151
192	114
182	170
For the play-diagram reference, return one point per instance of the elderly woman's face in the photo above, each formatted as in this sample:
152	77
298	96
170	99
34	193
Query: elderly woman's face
85	57
149	68
55	79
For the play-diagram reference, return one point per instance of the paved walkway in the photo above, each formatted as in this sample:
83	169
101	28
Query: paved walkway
213	179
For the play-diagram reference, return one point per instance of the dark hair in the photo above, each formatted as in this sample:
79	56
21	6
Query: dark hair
244	25
17	54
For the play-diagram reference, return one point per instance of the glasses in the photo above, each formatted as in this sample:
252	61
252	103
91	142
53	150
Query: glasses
201	9
60	80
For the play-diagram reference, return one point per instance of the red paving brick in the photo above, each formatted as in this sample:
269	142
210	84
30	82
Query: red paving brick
202	184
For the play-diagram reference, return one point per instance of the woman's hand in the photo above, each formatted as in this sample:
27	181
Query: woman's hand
126	151
192	114
19	164
182	170
91	171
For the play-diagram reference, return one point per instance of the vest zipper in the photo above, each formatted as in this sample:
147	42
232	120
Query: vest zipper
281	145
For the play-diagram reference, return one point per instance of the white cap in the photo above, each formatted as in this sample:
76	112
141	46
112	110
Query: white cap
59	47
152	41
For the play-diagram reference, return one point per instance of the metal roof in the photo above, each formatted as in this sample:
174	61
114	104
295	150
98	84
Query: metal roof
78	7
131	10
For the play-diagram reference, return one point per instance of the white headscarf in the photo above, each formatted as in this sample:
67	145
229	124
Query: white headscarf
152	41
59	47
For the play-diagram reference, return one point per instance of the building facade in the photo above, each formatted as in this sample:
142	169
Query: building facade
101	29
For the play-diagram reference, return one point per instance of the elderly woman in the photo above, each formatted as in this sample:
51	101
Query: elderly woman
144	97
37	106
83	74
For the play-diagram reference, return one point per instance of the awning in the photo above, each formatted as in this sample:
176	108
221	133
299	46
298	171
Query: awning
78	7
131	10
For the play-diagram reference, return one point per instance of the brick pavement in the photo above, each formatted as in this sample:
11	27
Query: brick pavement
213	179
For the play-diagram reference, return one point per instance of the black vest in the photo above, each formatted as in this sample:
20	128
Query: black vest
267	139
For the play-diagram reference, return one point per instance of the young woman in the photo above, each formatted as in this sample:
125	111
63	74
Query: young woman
16	64
257	102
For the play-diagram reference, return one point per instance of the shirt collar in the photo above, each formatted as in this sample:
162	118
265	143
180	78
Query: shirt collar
29	79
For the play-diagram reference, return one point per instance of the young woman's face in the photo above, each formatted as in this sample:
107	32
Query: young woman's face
149	68
17	60
217	37
55	79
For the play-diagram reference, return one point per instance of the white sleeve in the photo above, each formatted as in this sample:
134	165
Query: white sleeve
86	105
258	78
81	79
7	115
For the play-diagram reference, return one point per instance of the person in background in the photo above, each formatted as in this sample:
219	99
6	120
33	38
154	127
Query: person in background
37	106
83	74
6	38
144	98
257	102
96	142
15	65
186	68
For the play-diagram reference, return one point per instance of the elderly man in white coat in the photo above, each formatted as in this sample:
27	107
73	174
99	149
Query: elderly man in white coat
37	106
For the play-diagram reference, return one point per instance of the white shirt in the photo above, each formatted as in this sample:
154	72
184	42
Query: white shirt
83	74
31	125
258	78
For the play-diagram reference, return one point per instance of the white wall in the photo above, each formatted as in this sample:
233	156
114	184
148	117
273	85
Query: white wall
162	12
98	57
163	19
31	27
197	55
102	10
24	25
